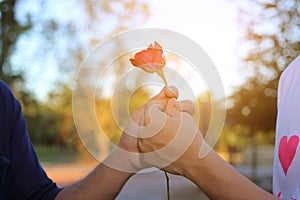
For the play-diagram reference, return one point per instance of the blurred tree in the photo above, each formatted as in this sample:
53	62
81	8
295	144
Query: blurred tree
272	29
10	31
232	141
45	34
44	118
272	34
51	123
107	119
59	102
254	106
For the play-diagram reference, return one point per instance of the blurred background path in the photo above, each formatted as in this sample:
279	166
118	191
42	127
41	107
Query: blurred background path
146	186
67	168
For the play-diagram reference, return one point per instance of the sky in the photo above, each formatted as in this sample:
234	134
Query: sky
210	23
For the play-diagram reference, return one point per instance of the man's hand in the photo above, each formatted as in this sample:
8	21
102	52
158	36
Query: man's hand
128	139
127	155
170	138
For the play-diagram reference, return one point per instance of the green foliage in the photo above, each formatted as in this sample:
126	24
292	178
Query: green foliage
55	154
254	106
105	114
61	103
50	122
42	124
272	36
272	30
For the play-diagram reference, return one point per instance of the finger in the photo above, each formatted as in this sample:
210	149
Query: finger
154	120
185	106
162	103
151	106
171	92
170	108
136	115
168	92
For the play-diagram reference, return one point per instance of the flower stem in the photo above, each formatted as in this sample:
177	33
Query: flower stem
168	185
162	76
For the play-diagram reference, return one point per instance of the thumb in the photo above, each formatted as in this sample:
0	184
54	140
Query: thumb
170	108
152	122
167	92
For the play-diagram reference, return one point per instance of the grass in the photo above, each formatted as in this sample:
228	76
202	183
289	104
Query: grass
55	154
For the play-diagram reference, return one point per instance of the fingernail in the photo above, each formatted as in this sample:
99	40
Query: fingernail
170	89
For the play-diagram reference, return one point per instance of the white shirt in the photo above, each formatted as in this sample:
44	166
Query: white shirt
286	172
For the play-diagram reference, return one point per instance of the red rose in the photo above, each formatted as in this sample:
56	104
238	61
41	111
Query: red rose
150	60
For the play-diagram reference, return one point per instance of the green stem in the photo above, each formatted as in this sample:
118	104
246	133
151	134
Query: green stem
162	76
168	185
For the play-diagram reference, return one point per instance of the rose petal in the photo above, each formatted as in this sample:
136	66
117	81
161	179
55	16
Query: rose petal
151	59
136	62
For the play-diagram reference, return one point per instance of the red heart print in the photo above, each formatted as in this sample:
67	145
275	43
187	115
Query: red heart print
287	150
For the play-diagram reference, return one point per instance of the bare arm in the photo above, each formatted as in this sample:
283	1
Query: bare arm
211	173
219	180
102	183
107	179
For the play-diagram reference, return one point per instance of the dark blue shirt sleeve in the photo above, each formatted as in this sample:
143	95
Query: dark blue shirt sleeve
22	176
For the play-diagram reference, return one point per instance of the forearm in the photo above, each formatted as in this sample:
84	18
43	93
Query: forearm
219	180
102	183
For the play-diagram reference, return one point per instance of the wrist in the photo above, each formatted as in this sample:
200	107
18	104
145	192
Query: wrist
122	160
200	163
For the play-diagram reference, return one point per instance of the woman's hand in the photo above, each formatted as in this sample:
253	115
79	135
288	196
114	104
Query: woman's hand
170	138
126	156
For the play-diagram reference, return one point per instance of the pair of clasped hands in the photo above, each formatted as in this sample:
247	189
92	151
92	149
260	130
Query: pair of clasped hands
162	133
